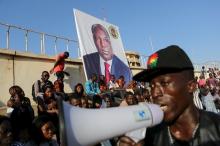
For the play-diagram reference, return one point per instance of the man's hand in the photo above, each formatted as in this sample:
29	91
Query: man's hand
126	141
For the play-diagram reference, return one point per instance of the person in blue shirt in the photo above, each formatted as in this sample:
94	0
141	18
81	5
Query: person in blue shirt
91	86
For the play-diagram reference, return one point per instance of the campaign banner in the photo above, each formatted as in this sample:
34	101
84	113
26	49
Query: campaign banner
101	48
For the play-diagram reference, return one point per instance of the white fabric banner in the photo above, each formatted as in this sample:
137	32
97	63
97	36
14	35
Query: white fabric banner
100	42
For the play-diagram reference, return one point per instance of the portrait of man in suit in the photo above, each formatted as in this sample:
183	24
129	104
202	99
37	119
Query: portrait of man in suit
104	61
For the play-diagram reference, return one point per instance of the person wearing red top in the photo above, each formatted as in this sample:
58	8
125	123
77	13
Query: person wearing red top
202	81
59	66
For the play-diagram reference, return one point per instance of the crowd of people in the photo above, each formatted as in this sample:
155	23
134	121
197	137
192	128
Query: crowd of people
207	94
22	127
27	127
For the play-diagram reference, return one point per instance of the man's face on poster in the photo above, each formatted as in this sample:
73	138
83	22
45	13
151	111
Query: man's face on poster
103	44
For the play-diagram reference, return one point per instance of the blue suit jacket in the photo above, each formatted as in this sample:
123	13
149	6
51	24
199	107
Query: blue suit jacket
118	68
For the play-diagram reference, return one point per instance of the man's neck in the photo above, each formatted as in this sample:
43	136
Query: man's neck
185	125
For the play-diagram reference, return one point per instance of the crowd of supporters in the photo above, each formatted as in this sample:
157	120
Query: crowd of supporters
22	127
207	95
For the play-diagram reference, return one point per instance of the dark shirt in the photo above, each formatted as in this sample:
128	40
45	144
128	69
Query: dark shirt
207	134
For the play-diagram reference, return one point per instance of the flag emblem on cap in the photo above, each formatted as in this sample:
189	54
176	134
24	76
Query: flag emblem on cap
152	61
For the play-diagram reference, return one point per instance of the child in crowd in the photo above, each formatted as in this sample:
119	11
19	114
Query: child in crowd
13	90
47	104
22	114
43	132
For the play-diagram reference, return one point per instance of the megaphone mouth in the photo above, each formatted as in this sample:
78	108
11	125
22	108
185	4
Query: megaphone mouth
78	126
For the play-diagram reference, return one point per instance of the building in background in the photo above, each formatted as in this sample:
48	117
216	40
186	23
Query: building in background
135	62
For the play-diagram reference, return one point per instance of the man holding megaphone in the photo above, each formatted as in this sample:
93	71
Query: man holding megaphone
171	76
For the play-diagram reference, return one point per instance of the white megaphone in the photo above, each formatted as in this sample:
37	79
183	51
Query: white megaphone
84	127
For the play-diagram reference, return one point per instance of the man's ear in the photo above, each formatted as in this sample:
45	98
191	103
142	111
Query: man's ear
191	86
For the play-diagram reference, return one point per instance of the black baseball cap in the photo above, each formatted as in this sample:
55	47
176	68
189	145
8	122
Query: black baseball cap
168	60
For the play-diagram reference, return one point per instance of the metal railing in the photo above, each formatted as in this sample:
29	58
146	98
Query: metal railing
8	28
207	65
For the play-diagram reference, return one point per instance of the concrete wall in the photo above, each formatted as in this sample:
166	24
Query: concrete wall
24	69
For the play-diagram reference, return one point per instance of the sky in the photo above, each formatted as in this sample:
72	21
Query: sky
145	25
